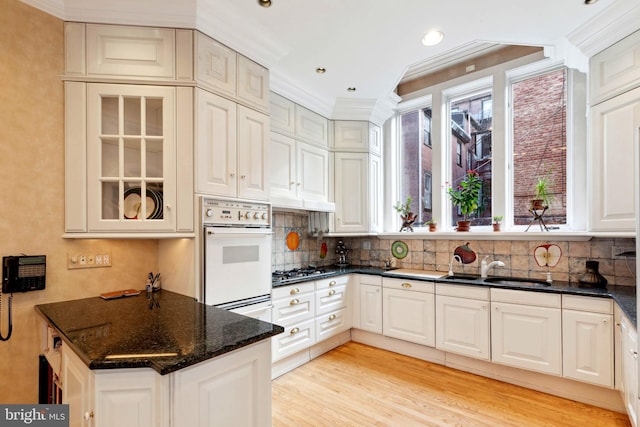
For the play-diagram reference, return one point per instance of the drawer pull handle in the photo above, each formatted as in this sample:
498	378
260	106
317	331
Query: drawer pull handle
332	283
295	331
294	291
406	285
294	301
332	317
604	321
332	292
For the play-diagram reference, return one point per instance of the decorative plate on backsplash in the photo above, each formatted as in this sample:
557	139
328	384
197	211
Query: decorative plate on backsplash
323	250
399	249
293	240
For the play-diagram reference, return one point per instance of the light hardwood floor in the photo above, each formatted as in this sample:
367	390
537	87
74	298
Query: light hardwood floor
359	385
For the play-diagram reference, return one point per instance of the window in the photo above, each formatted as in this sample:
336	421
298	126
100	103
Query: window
539	143
416	161
471	123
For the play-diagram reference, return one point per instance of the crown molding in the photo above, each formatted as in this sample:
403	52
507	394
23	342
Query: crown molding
52	7
608	27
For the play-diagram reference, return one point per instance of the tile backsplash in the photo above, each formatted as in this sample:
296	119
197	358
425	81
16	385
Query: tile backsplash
426	254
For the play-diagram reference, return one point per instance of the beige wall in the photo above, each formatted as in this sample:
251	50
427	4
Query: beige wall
32	192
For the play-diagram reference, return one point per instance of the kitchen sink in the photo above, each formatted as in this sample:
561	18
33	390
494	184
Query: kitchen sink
463	277
516	281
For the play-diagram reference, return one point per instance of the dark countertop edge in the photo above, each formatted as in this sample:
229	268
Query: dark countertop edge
161	368
624	296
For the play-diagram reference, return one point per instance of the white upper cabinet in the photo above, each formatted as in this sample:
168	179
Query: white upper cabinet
357	136
283	115
222	70
614	133
116	52
616	69
231	148
311	127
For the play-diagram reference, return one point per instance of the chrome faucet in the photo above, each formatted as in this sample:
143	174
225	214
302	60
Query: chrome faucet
484	266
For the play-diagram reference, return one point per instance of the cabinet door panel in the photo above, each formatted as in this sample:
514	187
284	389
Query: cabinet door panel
370	308
216	145
253	154
614	132
295	338
462	326
313	173
527	337
216	67
351	194
253	83
328	300
77	390
588	347
294	309
330	324
408	316
282	173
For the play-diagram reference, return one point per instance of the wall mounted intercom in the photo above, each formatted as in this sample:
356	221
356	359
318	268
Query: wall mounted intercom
20	274
23	273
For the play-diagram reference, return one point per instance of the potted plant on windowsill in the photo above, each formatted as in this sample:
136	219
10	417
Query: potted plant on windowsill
466	197
497	219
543	196
408	217
433	225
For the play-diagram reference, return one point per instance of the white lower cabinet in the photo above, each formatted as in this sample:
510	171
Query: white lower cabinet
408	310
332	307
629	347
367	304
203	394
526	330
293	309
587	331
463	320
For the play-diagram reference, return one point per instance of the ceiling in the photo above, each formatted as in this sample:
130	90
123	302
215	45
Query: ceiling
366	44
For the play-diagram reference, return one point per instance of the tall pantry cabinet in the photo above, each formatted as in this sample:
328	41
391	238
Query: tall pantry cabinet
615	120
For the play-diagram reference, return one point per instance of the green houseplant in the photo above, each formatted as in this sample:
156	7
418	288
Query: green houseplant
465	195
497	219
542	196
408	217
433	224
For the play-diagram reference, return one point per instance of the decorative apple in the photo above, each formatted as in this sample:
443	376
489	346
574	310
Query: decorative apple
547	255
464	254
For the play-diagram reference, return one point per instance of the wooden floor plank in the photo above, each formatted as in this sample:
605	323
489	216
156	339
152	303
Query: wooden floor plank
359	385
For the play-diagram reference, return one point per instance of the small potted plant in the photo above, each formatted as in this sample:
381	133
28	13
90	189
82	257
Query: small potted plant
408	217
433	224
466	197
497	219
543	196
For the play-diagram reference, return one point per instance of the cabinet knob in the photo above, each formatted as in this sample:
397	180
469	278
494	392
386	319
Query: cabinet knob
294	291
243	176
406	285
295	331
88	415
294	301
332	317
168	207
232	174
293	183
332	283
332	292
298	184
604	321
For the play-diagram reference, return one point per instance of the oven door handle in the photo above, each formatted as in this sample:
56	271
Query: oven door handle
212	231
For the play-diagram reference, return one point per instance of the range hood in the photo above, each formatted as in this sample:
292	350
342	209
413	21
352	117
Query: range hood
305	205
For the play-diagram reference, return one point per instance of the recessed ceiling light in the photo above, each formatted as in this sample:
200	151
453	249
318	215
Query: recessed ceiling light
590	1
432	38
321	70
351	89
264	3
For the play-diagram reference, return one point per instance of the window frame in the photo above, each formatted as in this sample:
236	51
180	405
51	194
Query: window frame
501	78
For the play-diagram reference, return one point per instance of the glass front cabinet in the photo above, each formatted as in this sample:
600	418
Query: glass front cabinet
130	149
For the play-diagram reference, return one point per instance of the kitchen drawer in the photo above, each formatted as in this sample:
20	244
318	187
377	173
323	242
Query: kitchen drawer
332	282
539	299
469	292
590	304
331	299
294	309
408	285
332	323
294	339
287	291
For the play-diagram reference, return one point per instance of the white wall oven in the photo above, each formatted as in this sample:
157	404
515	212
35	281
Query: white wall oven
237	256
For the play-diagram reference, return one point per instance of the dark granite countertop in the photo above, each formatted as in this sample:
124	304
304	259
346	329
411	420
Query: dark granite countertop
625	296
164	331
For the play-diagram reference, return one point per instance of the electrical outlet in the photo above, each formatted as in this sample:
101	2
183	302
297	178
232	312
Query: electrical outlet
89	259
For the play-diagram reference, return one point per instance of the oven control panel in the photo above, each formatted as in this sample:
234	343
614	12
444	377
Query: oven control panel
235	213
